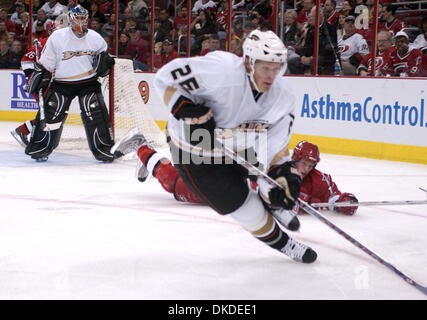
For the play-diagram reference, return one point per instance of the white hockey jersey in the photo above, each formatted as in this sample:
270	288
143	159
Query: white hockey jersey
199	5
71	56
219	80
354	44
419	43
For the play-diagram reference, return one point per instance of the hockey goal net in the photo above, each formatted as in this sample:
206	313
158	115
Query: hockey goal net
126	107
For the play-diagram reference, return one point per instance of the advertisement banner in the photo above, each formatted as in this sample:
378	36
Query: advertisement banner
12	94
380	110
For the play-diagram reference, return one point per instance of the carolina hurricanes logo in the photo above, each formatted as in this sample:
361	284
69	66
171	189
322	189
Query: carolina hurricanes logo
400	67
379	61
221	18
343	48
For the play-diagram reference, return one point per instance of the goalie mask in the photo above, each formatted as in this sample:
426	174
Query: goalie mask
307	151
264	46
78	17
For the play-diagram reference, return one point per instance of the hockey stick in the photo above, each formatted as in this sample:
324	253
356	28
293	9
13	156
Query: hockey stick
309	209
423	189
368	203
42	114
41	97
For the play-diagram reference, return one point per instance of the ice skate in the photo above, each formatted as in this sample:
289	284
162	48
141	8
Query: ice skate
145	153
128	144
287	218
299	252
41	159
20	137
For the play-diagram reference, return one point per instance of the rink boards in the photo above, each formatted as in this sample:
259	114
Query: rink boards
380	118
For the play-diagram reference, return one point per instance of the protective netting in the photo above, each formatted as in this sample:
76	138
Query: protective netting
129	112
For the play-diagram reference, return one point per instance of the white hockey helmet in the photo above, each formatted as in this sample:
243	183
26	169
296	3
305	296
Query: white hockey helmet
264	46
60	22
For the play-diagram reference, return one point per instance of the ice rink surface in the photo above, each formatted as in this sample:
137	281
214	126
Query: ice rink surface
73	228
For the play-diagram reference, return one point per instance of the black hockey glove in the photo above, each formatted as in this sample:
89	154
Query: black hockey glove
40	79
199	122
250	179
285	174
28	72
103	63
250	156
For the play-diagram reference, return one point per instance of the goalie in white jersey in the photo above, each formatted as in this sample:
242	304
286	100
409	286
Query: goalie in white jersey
223	91
77	56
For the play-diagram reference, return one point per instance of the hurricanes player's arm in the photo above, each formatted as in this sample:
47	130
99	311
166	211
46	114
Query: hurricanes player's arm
332	194
27	61
318	187
338	196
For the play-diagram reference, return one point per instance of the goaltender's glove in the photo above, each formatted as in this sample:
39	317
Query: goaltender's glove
288	177
40	79
103	63
347	197
199	122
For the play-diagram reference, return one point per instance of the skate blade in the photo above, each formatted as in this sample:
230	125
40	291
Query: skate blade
17	138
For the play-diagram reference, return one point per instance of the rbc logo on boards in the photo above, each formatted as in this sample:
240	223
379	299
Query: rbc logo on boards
20	99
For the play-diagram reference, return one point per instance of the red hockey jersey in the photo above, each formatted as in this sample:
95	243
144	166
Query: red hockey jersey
27	61
394	27
380	60
413	64
318	187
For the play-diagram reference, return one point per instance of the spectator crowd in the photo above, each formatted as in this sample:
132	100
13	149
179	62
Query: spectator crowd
344	44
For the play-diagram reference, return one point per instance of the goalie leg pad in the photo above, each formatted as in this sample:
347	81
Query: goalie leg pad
97	125
44	140
56	106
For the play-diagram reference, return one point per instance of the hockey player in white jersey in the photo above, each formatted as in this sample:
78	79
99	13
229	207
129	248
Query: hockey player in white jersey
77	56
223	91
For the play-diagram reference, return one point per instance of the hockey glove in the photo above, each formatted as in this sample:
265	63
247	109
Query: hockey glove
40	79
199	122
250	179
347	197
287	176
28	72
103	63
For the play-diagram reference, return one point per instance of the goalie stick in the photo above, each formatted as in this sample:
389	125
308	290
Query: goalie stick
41	97
309	209
368	203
